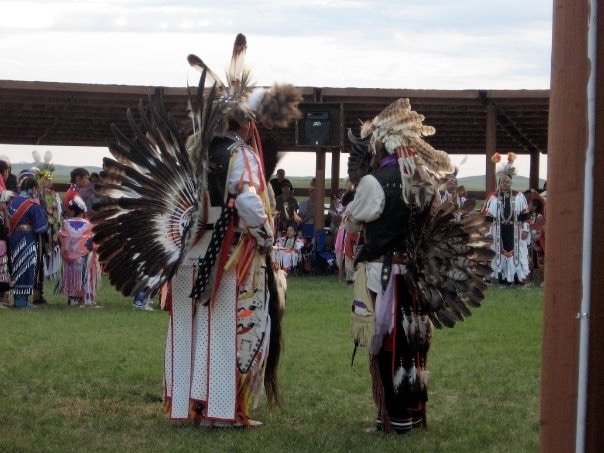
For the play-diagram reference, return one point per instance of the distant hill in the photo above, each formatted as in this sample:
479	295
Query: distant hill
61	174
478	183
472	183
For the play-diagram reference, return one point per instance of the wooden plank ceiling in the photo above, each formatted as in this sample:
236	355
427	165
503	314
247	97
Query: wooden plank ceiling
48	113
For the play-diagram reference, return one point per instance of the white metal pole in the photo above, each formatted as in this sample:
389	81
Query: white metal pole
588	197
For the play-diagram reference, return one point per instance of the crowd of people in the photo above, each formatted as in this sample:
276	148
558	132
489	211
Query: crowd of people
44	237
517	226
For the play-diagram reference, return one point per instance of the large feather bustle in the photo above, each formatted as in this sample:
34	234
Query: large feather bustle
150	202
449	260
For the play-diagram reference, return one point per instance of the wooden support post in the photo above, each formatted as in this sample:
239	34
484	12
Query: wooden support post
491	148
564	288
320	191
534	170
335	171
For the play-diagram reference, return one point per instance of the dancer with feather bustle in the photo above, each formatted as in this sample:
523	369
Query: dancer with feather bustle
419	264
196	215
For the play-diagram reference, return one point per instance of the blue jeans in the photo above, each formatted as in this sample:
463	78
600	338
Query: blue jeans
140	299
20	300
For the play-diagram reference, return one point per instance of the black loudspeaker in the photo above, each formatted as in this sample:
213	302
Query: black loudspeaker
316	128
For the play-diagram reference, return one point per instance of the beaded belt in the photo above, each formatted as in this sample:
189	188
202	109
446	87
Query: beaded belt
25	228
397	258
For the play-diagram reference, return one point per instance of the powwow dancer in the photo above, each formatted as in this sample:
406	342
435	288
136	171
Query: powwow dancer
197	215
49	258
81	270
419	262
27	223
507	210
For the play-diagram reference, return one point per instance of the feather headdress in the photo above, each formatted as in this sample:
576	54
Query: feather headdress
46	167
238	99
506	169
400	131
397	126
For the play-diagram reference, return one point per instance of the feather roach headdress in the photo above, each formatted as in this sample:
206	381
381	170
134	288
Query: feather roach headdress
400	131
397	126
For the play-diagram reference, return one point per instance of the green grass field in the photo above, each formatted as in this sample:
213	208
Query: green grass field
76	379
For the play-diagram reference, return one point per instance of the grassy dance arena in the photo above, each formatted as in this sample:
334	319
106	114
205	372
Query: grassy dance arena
74	379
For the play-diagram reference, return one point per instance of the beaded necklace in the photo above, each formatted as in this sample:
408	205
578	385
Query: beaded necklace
506	207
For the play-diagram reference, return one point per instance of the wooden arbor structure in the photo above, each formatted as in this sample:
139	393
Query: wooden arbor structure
473	122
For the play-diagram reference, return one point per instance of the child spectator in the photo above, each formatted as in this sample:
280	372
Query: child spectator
79	179
288	249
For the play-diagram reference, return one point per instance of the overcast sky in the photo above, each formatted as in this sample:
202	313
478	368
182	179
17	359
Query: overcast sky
431	44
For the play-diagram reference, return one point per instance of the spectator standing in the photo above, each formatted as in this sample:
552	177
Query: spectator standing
451	193
4	250
287	208
537	235
4	267
11	180
88	194
308	216
4	193
79	178
278	180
